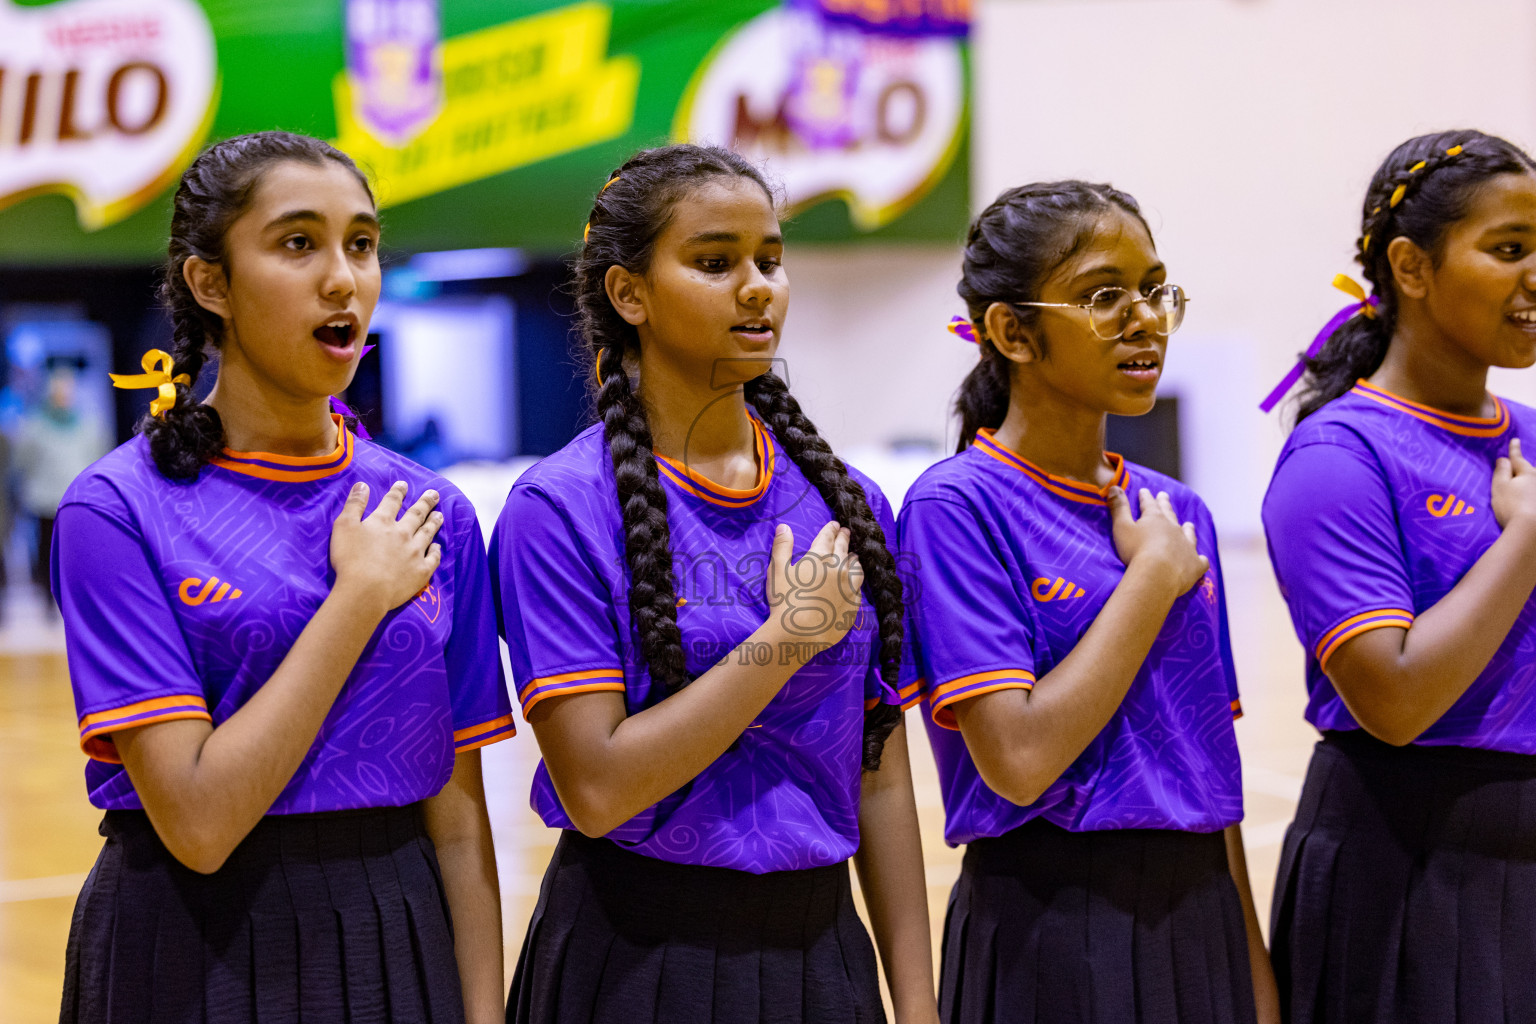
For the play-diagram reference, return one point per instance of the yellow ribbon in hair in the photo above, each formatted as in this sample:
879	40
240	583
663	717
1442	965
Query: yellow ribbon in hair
157	365
1349	286
588	229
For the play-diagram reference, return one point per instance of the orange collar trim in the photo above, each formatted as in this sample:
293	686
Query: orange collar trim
1072	490
728	497
291	468
1466	426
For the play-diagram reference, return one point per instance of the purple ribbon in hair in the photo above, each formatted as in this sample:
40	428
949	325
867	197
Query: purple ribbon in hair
1339	319
337	405
963	329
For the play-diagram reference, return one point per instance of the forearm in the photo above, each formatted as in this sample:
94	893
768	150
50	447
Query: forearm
890	865
639	759
460	828
1022	742
206	788
1398	682
1266	995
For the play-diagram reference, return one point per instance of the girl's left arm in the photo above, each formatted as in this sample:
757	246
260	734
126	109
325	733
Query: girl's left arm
1266	995
890	865
460	828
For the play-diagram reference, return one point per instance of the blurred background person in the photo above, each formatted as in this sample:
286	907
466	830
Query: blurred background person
55	441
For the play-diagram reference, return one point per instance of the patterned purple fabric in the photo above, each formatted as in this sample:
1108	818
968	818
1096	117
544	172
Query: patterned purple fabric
1013	565
1377	509
181	600
785	796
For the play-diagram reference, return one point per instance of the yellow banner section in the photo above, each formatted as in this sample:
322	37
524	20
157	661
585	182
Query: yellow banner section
514	94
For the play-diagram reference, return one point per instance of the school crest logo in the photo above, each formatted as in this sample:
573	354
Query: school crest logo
430	601
395	66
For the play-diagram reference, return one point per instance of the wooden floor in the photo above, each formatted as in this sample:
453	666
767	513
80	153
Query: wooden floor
48	834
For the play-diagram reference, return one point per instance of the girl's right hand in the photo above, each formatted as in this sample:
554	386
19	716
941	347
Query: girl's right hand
387	557
1157	539
1514	487
816	599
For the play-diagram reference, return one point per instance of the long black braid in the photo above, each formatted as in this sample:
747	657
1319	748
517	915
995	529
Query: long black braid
213	193
627	217
1421	189
1012	248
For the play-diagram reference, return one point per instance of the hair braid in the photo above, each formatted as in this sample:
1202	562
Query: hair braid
647	535
845	496
211	196
628	214
1423	187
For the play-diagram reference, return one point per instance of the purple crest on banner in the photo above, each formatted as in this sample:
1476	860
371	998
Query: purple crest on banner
825	64
393	61
909	18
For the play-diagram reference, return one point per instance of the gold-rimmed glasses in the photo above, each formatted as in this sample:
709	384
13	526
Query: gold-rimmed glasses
1110	308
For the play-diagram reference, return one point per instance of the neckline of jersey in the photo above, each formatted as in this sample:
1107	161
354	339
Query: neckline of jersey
1063	487
700	486
292	468
1466	426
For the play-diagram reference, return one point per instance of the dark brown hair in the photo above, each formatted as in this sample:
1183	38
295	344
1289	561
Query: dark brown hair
213	193
1439	175
1013	247
628	216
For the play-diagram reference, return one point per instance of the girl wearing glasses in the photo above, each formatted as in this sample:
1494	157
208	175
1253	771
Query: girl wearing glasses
1072	636
1402	526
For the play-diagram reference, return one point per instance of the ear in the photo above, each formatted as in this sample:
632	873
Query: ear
1012	339
209	284
1411	268
627	293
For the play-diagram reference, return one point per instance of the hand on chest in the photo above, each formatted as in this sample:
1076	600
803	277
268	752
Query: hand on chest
721	604
247	596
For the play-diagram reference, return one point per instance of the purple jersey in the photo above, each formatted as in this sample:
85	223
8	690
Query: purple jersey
1013	565
181	599
1377	508
785	795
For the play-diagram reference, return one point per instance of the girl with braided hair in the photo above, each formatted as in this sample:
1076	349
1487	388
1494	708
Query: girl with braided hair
1402	526
281	693
705	627
1075	656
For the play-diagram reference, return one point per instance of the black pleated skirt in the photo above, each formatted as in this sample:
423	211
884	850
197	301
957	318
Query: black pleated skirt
1135	926
1407	887
621	938
314	918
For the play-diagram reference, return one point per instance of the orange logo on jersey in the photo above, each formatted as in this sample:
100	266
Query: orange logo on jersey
1442	505
1059	590
431	602
213	591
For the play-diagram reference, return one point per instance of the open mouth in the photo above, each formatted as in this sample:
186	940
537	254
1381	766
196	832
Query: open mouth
756	330
1525	319
336	333
1139	367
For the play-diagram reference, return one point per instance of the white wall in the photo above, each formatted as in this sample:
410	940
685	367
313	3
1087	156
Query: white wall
1248	129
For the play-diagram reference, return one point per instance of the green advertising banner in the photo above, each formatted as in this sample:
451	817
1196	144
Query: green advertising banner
483	122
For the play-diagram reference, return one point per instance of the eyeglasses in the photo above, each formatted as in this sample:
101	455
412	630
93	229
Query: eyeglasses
1109	309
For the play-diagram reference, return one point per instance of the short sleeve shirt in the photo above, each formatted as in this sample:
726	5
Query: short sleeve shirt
180	600
1013	565
785	795
1377	508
